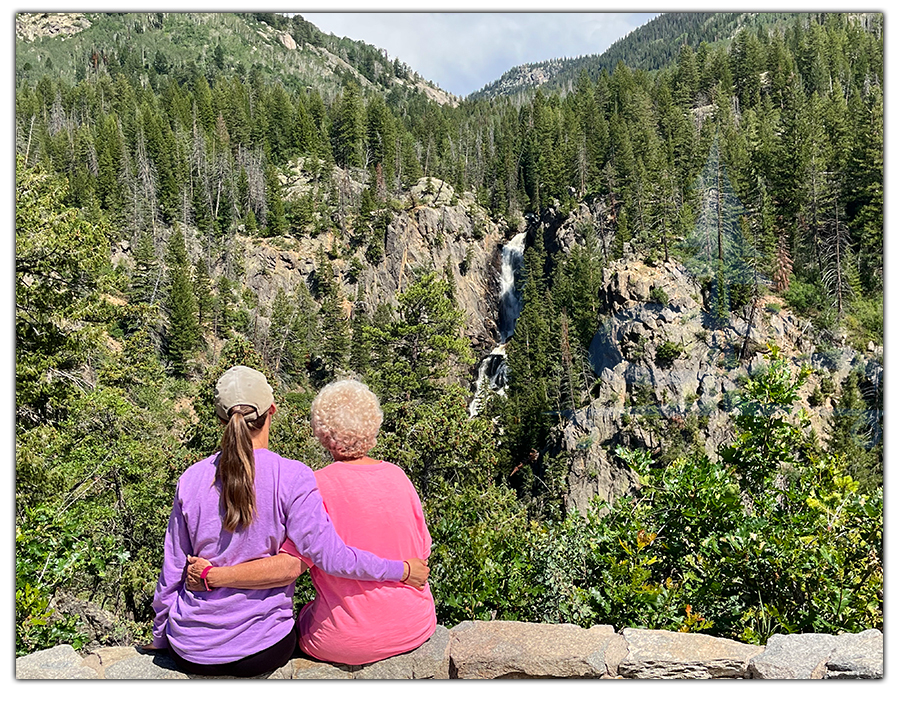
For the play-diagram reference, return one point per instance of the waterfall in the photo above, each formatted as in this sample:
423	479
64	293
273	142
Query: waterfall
510	295
491	377
492	370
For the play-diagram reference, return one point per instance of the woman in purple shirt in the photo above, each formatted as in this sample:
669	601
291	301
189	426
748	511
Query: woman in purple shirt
238	505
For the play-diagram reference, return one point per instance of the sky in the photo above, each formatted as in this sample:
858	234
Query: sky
462	52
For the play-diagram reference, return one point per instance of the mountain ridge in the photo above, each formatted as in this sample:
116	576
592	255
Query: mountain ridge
291	48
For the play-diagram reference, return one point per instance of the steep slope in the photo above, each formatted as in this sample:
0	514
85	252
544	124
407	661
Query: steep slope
289	49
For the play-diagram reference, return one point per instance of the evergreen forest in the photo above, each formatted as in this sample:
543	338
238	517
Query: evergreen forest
156	151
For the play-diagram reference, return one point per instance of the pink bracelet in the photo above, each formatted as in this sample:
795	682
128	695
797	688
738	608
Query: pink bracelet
203	577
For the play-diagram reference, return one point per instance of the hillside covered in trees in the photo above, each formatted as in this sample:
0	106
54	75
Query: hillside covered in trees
168	166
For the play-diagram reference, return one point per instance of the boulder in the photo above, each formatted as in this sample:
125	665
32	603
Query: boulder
857	656
819	656
309	669
60	662
514	649
430	660
103	658
669	654
794	656
152	665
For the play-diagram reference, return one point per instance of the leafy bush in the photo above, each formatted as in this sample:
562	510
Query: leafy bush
865	321
46	551
773	539
482	562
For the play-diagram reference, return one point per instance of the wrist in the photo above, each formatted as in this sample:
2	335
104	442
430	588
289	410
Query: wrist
205	576
407	570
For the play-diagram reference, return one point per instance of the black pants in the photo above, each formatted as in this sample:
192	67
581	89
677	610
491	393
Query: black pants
255	664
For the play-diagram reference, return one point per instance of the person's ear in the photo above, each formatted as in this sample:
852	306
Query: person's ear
272	409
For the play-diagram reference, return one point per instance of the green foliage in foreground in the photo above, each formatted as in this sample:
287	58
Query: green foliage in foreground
759	543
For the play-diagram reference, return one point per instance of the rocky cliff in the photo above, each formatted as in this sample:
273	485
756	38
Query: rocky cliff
517	650
433	229
667	372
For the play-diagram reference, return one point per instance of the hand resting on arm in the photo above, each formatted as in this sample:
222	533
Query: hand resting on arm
267	572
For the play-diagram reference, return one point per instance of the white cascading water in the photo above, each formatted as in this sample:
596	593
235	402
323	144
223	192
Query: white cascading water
510	296
492	370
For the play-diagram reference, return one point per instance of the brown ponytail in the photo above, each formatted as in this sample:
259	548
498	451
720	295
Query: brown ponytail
235	471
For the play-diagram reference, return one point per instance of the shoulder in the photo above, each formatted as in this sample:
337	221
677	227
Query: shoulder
286	464
396	478
393	469
201	470
288	471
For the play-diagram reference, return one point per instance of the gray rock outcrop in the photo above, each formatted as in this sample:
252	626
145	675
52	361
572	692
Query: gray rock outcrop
666	374
436	230
35	25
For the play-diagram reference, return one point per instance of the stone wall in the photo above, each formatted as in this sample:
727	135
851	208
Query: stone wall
512	649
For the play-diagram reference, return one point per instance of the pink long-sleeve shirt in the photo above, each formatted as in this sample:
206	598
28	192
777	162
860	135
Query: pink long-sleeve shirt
376	508
225	624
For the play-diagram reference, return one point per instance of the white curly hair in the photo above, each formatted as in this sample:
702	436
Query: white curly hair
346	417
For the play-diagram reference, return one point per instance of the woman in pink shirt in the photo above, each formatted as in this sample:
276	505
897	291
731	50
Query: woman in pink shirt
373	506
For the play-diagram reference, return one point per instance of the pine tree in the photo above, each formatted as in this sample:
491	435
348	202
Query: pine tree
60	261
333	325
413	351
110	154
532	360
866	186
280	326
276	224
203	294
854	432
718	250
381	144
349	121
360	347
223	312
147	273
183	331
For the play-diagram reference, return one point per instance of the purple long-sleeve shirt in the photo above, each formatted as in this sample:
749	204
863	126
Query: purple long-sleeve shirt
227	624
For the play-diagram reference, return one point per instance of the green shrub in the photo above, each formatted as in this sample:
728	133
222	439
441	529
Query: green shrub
45	554
667	352
482	559
658	295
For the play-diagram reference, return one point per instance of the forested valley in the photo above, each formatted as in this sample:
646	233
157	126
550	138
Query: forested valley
159	154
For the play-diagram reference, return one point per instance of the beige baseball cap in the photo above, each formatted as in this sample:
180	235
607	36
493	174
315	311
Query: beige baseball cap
243	385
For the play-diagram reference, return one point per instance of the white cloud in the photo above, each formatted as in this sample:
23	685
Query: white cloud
461	52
